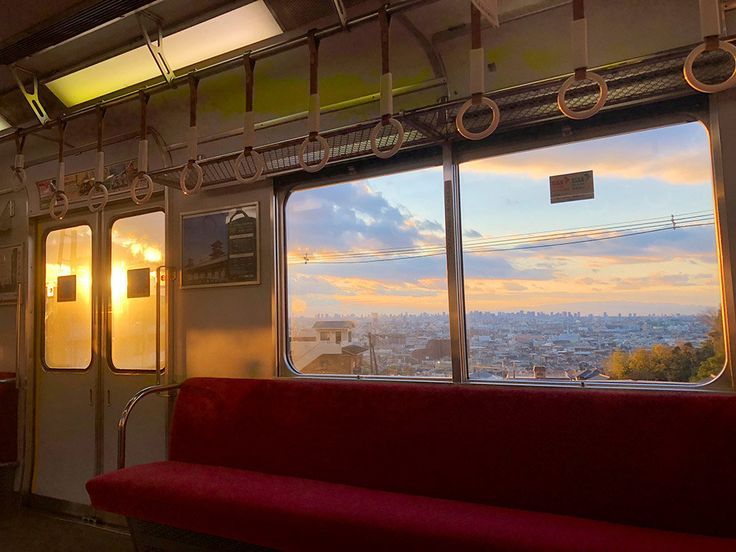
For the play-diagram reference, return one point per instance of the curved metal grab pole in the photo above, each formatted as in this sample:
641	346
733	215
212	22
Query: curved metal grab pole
123	422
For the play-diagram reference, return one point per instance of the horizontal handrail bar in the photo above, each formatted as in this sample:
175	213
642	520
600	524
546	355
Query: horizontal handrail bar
7	380
123	422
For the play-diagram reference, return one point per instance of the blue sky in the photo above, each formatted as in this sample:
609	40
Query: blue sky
651	174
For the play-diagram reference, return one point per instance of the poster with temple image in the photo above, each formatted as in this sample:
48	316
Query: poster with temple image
220	247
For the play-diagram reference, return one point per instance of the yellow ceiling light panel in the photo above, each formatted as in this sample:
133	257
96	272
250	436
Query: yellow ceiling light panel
227	32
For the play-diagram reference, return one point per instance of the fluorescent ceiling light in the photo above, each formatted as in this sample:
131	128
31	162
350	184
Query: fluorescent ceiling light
227	32
4	125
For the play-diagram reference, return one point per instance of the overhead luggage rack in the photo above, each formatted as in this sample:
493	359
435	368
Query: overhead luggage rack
654	78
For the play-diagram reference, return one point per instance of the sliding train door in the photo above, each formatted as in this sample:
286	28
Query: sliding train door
67	357
101	337
134	321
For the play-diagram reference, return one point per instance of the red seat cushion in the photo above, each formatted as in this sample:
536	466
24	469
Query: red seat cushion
291	513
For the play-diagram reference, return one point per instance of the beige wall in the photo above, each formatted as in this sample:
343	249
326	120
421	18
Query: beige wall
224	331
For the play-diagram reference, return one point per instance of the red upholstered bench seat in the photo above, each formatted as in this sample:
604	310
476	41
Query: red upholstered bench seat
290	513
314	464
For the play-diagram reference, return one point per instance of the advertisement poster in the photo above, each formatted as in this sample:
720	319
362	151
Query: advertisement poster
119	177
220	248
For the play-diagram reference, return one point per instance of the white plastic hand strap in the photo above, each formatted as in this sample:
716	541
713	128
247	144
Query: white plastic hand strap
579	32
142	180
314	136
59	201
710	28
191	166
19	170
477	89
387	109
242	169
243	173
97	197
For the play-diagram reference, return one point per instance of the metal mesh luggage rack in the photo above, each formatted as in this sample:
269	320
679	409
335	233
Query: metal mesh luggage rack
638	81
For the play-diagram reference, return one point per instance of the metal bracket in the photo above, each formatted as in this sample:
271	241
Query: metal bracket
341	13
157	50
31	97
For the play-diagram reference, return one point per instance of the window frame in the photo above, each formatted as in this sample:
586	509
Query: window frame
553	133
107	295
42	290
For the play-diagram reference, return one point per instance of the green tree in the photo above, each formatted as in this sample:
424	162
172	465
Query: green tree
682	362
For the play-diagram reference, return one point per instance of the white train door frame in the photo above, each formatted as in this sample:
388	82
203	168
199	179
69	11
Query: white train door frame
78	404
130	359
66	382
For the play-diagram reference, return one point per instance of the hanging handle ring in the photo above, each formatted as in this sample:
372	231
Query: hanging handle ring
387	98
314	135
192	166
710	27
59	205
477	84
99	194
242	169
19	163
142	181
579	33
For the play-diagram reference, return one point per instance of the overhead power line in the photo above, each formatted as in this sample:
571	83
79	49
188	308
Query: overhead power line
515	242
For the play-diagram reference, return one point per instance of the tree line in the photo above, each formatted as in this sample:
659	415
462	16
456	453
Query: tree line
680	362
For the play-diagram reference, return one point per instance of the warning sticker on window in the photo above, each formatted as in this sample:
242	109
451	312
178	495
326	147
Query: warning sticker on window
571	187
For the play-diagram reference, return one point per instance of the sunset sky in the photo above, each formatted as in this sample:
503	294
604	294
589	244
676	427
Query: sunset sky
647	175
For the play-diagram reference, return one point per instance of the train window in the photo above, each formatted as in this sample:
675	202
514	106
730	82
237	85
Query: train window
615	282
68	303
367	284
137	251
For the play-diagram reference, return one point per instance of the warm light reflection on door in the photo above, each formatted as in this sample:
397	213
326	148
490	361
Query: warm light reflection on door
137	251
67	308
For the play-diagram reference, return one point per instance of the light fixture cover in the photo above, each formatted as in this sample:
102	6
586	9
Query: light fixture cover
227	32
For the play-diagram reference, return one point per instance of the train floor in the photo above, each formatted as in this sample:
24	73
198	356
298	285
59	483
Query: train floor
29	530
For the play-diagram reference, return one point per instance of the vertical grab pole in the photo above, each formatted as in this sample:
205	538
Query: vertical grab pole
249	130
99	183
59	205
313	116
477	80
142	179
387	99
192	164
579	34
158	323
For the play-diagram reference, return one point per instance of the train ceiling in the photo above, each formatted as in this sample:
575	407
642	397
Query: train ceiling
51	39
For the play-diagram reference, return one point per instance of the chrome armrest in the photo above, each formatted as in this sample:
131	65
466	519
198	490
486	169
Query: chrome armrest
123	422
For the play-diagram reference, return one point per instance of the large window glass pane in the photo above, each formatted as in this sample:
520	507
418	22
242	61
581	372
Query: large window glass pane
619	287
367	277
138	245
67	305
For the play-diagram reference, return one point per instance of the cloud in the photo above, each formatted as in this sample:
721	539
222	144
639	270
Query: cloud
470	233
353	217
677	155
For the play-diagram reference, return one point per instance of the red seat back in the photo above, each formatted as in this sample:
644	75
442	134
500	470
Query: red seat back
656	459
